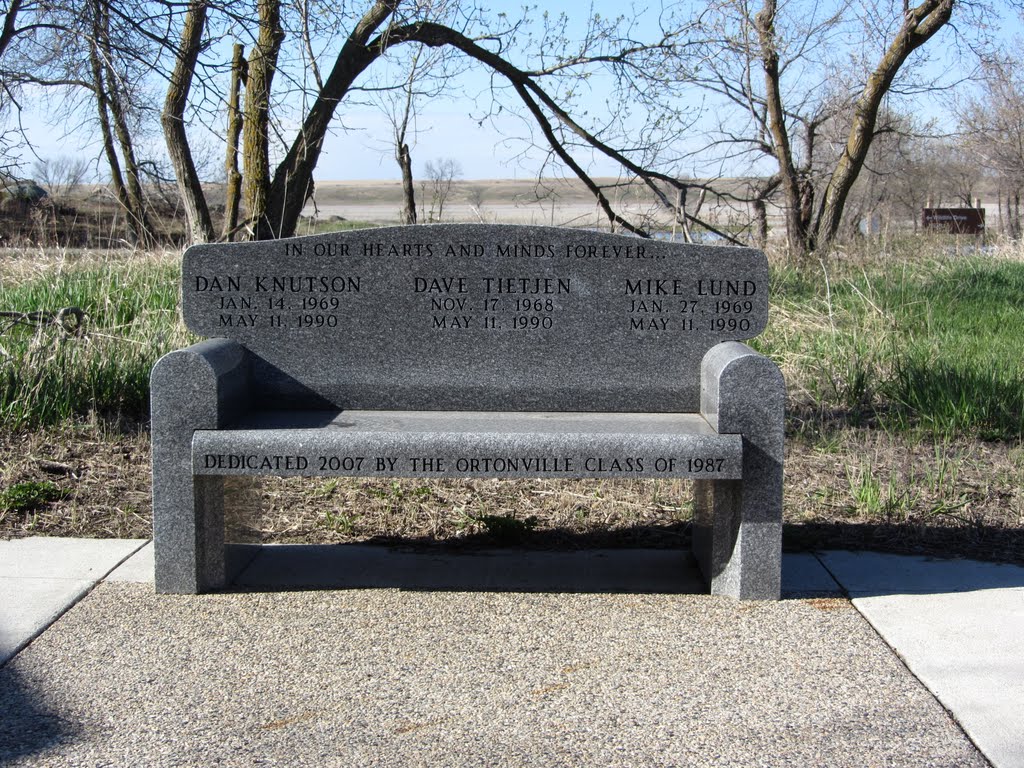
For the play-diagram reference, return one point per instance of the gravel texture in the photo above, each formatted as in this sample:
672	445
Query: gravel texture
388	677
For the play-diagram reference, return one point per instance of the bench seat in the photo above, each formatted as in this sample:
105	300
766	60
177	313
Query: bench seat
360	443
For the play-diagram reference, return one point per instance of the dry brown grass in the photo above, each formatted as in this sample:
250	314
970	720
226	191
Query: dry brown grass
849	489
104	475
20	264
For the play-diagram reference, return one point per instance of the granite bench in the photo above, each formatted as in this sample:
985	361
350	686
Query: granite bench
473	351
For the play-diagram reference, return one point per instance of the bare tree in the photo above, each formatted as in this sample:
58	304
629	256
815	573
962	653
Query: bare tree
430	73
774	76
398	103
190	187
403	156
233	176
95	56
292	102
18	22
993	123
399	107
112	113
9	31
274	206
920	24
441	174
61	175
256	124
475	197
278	95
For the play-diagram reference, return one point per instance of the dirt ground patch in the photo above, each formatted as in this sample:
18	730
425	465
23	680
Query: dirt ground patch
856	489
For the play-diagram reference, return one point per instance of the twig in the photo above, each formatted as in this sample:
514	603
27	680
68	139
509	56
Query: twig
71	320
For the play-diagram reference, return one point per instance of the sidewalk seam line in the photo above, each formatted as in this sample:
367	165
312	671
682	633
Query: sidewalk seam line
75	601
906	666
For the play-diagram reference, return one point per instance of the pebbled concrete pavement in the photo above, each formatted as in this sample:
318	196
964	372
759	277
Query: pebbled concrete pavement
959	626
365	656
40	578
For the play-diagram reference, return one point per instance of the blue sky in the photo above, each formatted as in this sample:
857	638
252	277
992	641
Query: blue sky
358	153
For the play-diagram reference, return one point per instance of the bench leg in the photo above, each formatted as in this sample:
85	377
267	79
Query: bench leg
737	537
202	387
737	524
188	535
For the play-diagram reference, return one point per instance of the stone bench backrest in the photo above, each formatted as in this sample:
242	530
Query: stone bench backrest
476	317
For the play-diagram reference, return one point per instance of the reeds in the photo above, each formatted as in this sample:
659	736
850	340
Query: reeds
50	373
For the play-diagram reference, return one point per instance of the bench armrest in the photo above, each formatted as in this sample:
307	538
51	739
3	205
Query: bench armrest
205	386
737	530
743	392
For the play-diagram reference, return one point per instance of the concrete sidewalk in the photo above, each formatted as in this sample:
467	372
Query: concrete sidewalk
366	656
41	577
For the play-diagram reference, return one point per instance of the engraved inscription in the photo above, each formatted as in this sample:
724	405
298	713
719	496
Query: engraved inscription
219	283
680	305
470	293
313	301
462	466
503	302
306	284
464	316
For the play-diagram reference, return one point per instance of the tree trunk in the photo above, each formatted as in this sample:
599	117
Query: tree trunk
293	180
129	195
10	30
1016	215
402	153
233	188
138	217
919	25
404	158
796	230
760	223
139	222
256	126
173	121
113	161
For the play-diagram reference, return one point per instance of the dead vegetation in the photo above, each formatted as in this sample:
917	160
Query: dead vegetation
857	489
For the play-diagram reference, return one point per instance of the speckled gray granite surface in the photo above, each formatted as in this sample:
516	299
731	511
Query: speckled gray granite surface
405	678
476	316
456	318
